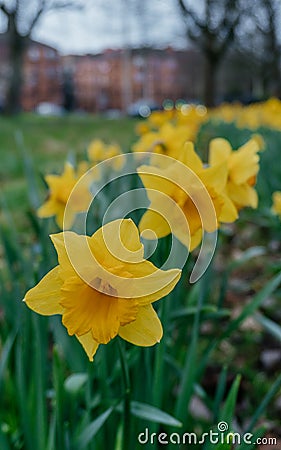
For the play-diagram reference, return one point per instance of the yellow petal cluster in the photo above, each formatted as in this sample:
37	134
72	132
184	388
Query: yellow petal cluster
99	294
98	151
166	141
184	194
243	167
262	114
60	188
276	206
166	131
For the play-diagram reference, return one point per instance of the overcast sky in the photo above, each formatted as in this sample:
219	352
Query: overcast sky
109	24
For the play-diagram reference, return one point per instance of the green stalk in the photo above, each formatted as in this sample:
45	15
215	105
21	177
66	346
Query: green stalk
159	360
127	397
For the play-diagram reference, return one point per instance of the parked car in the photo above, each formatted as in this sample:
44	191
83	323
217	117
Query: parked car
142	108
49	109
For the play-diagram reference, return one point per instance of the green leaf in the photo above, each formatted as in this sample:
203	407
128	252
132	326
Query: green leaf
5	353
257	434
190	369
224	446
228	409
29	171
247	255
190	311
265	401
75	382
153	414
271	327
91	430
220	390
257	301
3	441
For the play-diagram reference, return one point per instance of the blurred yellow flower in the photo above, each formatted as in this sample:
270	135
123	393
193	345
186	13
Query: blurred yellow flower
99	294
167	140
185	193
262	114
276	207
243	167
60	187
98	151
163	127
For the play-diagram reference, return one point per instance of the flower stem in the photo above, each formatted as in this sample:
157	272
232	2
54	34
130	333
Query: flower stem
127	397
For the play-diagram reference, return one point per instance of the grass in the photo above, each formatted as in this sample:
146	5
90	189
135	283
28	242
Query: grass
209	365
49	142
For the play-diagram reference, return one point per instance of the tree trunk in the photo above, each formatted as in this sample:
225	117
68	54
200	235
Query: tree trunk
17	45
211	68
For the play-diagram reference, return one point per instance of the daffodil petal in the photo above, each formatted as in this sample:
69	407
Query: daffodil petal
86	309
244	163
219	151
154	178
190	158
195	239
242	195
74	253
145	331
44	298
127	310
228	211
149	283
152	220
89	344
48	209
215	177
118	239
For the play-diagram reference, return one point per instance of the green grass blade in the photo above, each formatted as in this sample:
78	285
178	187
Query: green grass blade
228	410
5	353
249	310
257	301
264	403
153	414
257	434
191	365
221	386
91	430
271	327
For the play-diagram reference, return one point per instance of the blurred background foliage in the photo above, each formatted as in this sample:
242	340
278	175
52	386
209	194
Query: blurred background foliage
220	355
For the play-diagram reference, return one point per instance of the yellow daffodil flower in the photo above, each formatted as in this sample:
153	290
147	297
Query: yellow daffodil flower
167	140
184	194
98	151
262	114
99	294
60	187
243	167
276	207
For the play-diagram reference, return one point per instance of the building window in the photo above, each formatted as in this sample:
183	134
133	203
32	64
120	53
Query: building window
50	53
34	54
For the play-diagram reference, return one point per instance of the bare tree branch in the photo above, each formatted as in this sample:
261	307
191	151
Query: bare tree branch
21	21
4	9
40	10
213	31
188	13
63	5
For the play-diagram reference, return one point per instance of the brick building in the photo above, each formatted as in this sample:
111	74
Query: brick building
116	78
42	74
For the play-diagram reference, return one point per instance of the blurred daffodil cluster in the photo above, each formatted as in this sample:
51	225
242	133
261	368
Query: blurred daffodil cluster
103	286
256	115
276	206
